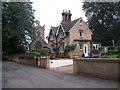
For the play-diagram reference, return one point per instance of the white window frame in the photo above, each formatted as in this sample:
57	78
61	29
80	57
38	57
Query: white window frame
63	47
81	33
52	37
81	45
62	36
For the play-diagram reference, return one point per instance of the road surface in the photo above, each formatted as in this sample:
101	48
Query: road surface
23	76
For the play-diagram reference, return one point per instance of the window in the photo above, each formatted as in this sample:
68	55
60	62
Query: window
81	46
52	37
80	33
96	47
61	34
38	45
61	49
52	48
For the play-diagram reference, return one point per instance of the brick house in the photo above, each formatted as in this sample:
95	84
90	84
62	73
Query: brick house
71	32
39	41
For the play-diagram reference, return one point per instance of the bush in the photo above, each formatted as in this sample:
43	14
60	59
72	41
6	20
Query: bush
69	48
72	46
33	53
44	52
110	52
95	51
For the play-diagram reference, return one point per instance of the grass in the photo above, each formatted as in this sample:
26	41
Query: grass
109	56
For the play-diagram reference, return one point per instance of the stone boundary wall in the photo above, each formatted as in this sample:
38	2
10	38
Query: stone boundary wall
27	61
42	63
98	67
45	63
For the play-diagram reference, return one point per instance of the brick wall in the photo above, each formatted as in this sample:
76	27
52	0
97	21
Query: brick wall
102	68
45	63
27	61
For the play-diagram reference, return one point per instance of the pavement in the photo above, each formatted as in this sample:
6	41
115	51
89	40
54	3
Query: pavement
22	76
68	69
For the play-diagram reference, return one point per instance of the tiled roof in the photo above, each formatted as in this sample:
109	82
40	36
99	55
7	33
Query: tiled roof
38	27
42	41
55	29
68	25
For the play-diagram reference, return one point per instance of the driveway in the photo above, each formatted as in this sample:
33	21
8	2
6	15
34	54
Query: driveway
22	76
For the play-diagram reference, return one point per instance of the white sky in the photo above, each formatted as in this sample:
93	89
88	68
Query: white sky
48	12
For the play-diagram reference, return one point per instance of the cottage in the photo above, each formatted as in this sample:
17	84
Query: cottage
70	32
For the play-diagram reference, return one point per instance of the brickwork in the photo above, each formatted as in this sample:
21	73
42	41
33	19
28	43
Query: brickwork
101	68
27	61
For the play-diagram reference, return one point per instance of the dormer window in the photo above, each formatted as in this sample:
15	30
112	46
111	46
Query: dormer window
61	34
52	37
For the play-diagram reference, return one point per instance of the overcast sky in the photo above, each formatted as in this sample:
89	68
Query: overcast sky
48	12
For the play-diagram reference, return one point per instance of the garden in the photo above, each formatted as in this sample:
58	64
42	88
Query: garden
113	52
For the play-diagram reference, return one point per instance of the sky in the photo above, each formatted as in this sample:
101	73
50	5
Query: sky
48	12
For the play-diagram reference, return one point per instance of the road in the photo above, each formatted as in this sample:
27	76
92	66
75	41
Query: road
23	76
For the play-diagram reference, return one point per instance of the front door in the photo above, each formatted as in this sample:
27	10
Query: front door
85	50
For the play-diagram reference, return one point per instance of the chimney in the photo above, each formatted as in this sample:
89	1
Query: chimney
66	16
69	16
63	16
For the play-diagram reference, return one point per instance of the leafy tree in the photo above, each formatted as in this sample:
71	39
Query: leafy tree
103	20
17	26
118	42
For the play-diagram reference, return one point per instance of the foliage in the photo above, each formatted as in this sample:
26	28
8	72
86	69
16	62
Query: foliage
95	51
109	56
44	52
17	26
110	52
101	48
56	49
103	20
33	53
118	42
69	48
72	46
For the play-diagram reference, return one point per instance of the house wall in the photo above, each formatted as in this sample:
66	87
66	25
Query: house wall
66	41
75	34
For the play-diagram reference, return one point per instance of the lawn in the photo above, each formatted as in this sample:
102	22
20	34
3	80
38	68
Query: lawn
109	56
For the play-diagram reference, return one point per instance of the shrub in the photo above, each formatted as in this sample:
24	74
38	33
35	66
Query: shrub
72	46
95	51
69	48
44	52
35	53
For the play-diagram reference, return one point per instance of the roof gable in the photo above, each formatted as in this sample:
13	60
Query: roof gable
68	25
79	21
53	30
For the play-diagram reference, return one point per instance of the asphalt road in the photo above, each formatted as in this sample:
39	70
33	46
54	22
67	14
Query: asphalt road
21	76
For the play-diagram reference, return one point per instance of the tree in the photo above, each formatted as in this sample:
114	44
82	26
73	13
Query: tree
103	20
17	26
118	42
